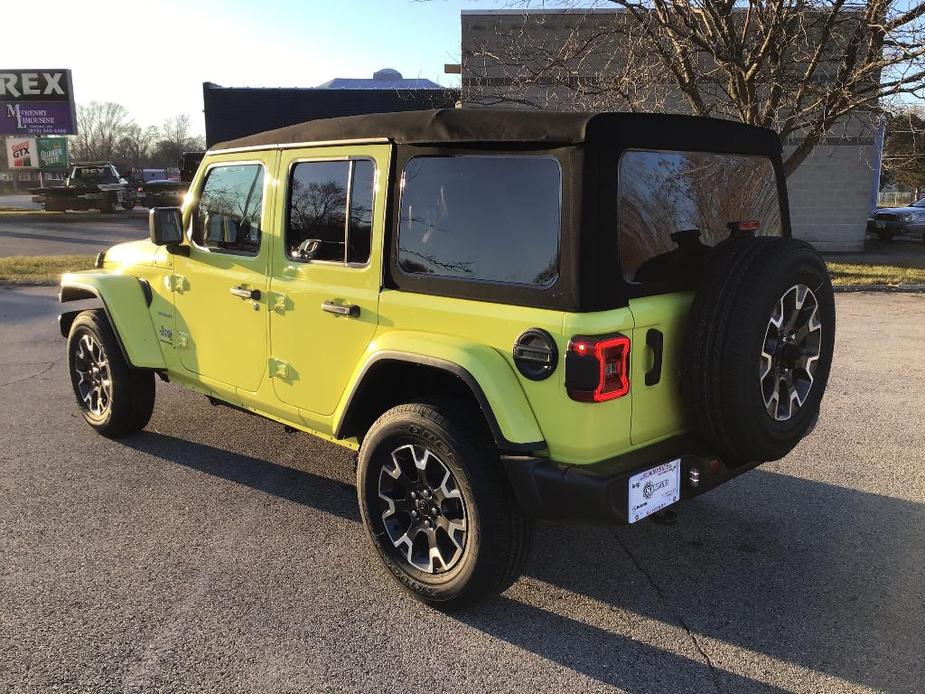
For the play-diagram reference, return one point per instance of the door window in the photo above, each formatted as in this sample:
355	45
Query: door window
227	217
674	205
330	211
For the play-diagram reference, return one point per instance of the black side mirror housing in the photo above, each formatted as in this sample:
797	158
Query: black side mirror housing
308	249
165	226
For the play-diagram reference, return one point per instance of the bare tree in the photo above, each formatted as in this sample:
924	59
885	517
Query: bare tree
904	150
136	145
811	69
174	138
100	128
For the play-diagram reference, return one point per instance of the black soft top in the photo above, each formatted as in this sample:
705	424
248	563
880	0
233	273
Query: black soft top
510	127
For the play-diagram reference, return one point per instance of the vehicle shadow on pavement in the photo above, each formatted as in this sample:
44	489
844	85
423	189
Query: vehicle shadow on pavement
281	481
807	573
802	579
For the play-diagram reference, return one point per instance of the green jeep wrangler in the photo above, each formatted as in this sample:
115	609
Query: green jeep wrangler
507	314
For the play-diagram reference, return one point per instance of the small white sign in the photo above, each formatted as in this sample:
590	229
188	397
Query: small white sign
652	490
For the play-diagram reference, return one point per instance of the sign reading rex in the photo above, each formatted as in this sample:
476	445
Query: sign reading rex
53	85
36	102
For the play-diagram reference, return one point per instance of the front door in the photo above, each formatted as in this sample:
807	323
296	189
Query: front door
220	289
325	284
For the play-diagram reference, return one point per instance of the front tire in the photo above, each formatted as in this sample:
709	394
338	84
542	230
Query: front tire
114	398
438	508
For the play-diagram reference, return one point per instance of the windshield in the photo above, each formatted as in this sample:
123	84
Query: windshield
673	206
918	203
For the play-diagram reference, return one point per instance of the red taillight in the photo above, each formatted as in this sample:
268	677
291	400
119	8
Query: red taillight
597	368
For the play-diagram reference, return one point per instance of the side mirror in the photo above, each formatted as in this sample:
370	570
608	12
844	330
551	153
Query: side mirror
308	249
165	226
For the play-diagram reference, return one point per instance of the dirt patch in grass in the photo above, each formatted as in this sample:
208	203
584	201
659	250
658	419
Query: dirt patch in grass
41	269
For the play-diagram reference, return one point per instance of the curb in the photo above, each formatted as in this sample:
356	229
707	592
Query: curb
887	288
18	285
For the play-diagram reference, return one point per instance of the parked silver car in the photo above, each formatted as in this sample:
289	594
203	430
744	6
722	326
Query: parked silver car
888	222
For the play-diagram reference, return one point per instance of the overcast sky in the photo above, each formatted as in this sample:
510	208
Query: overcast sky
153	56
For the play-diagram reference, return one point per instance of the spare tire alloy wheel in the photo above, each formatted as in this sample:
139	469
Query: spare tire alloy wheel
94	378
792	345
425	514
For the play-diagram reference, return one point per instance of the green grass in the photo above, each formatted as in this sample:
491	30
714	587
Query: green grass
893	275
20	269
40	269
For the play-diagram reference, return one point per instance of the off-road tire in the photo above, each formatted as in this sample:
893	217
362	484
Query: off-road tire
132	390
498	532
721	382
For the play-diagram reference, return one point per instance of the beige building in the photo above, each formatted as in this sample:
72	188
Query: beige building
831	193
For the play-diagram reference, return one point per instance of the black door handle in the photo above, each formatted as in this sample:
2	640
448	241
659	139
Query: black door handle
656	342
245	293
351	310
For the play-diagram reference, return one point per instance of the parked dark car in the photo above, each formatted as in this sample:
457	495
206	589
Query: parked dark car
161	193
898	221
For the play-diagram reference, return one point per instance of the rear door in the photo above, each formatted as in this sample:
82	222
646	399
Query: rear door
326	270
674	206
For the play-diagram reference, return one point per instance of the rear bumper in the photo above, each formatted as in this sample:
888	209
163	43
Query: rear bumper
599	491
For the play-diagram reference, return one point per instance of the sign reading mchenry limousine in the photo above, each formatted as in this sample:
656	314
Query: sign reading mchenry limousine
37	102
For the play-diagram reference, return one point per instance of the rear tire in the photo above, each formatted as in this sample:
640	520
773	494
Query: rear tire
431	461
114	398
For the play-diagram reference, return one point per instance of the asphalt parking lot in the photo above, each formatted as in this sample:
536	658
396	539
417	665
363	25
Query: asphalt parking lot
77	233
214	552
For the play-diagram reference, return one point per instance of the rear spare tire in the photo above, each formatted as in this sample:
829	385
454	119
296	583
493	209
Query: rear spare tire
759	347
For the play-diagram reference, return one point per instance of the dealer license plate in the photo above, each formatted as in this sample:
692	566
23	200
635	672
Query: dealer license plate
652	490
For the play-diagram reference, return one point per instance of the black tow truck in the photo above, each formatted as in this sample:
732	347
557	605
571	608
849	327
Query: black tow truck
89	186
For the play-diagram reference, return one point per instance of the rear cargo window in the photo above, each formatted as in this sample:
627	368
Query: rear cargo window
488	218
674	205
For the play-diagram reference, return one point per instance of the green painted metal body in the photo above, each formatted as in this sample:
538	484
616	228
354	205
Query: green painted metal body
282	357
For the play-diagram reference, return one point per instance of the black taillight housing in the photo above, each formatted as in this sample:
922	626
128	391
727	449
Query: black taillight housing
597	368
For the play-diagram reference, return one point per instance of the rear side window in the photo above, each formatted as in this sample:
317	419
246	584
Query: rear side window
227	217
490	218
331	210
674	205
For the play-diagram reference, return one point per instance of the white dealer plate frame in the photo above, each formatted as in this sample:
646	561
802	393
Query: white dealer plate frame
652	490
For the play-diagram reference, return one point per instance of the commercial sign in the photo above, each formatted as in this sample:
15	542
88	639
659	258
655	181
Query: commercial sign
52	153
22	153
37	102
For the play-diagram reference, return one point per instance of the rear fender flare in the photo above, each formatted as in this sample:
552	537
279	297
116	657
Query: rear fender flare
481	368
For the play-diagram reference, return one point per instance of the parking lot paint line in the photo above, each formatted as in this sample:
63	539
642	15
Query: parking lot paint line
727	658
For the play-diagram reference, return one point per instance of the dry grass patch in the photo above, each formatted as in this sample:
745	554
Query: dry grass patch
41	269
892	275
